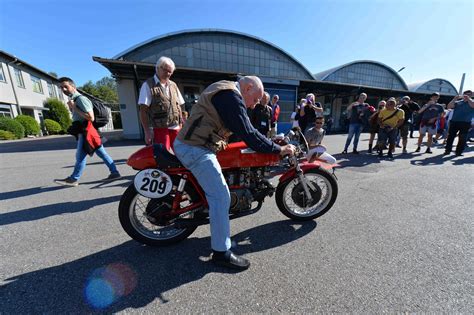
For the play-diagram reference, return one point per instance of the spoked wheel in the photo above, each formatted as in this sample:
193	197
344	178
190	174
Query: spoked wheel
149	221
292	201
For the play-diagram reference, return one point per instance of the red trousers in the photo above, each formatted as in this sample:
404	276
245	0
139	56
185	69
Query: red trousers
165	136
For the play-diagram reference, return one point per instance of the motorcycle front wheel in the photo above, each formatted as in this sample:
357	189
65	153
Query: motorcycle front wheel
292	201
149	221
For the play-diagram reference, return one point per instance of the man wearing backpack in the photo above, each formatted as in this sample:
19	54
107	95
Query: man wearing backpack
430	114
88	139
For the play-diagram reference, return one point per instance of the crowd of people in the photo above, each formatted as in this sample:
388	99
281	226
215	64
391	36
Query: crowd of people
393	121
245	110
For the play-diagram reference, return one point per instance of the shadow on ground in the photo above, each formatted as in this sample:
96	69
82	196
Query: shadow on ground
131	275
60	143
45	211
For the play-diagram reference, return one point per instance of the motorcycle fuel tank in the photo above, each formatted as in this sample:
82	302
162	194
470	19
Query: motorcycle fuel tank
239	155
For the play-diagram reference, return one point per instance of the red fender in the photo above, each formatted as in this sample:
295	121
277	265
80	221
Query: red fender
305	166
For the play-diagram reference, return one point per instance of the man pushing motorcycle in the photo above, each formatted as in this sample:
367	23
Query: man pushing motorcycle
220	111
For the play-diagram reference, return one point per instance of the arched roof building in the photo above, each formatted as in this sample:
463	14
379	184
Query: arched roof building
364	73
441	86
219	50
204	56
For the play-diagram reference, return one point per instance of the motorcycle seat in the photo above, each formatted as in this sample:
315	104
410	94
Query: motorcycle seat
164	158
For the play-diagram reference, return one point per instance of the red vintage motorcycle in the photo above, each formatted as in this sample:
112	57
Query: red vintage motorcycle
165	203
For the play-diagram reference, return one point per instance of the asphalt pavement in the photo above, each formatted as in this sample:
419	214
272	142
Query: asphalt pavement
398	239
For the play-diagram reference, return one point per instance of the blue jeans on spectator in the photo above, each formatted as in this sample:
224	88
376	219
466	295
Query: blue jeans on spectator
354	131
81	158
203	163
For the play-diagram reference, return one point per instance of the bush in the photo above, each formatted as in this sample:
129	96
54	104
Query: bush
52	127
13	126
58	112
29	123
6	135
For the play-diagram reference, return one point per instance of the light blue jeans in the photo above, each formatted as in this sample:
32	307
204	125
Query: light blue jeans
81	159
206	169
354	131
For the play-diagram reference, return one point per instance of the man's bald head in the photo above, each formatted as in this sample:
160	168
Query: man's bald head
251	88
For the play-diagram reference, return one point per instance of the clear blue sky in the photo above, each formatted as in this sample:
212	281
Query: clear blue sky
431	39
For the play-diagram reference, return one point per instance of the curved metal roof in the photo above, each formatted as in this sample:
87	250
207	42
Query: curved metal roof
418	86
212	30
324	74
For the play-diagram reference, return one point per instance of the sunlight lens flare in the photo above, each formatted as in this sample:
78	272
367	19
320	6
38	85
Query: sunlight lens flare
108	284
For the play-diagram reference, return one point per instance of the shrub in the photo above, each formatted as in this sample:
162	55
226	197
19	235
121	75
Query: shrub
6	135
52	127
30	124
58	112
13	126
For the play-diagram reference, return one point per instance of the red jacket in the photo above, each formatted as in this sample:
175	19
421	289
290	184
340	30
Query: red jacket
275	113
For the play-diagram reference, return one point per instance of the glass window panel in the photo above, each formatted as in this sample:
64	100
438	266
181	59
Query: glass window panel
2	74
36	84
19	78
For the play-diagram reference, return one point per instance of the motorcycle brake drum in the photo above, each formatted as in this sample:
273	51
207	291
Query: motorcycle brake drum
299	197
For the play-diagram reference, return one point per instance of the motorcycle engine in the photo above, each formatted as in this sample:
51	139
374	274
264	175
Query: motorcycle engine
240	200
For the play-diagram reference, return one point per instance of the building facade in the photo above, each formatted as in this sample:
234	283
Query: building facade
204	56
24	88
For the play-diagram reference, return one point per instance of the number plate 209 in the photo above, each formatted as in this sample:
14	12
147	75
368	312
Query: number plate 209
152	183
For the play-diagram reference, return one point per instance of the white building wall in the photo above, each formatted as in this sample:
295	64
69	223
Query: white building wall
6	91
129	109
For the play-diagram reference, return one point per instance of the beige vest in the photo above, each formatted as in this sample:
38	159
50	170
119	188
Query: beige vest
205	127
164	110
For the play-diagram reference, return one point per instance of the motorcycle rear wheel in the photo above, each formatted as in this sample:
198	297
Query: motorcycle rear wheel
154	230
292	202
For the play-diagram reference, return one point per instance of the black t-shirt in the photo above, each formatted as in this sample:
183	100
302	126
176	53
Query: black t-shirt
360	114
409	109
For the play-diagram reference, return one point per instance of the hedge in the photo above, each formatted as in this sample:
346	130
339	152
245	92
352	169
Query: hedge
29	123
52	127
6	135
13	126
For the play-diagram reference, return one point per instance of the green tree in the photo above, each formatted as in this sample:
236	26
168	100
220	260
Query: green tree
58	112
105	89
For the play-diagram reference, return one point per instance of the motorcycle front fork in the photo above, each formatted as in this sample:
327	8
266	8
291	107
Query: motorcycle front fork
306	184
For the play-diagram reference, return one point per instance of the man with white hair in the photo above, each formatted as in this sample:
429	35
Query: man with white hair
220	111
160	104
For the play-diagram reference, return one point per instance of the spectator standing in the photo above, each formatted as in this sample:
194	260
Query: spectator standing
160	103
374	124
275	115
295	115
357	111
463	113
408	108
390	119
430	113
88	139
309	112
261	115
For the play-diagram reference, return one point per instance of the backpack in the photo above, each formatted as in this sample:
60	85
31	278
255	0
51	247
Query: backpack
101	114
